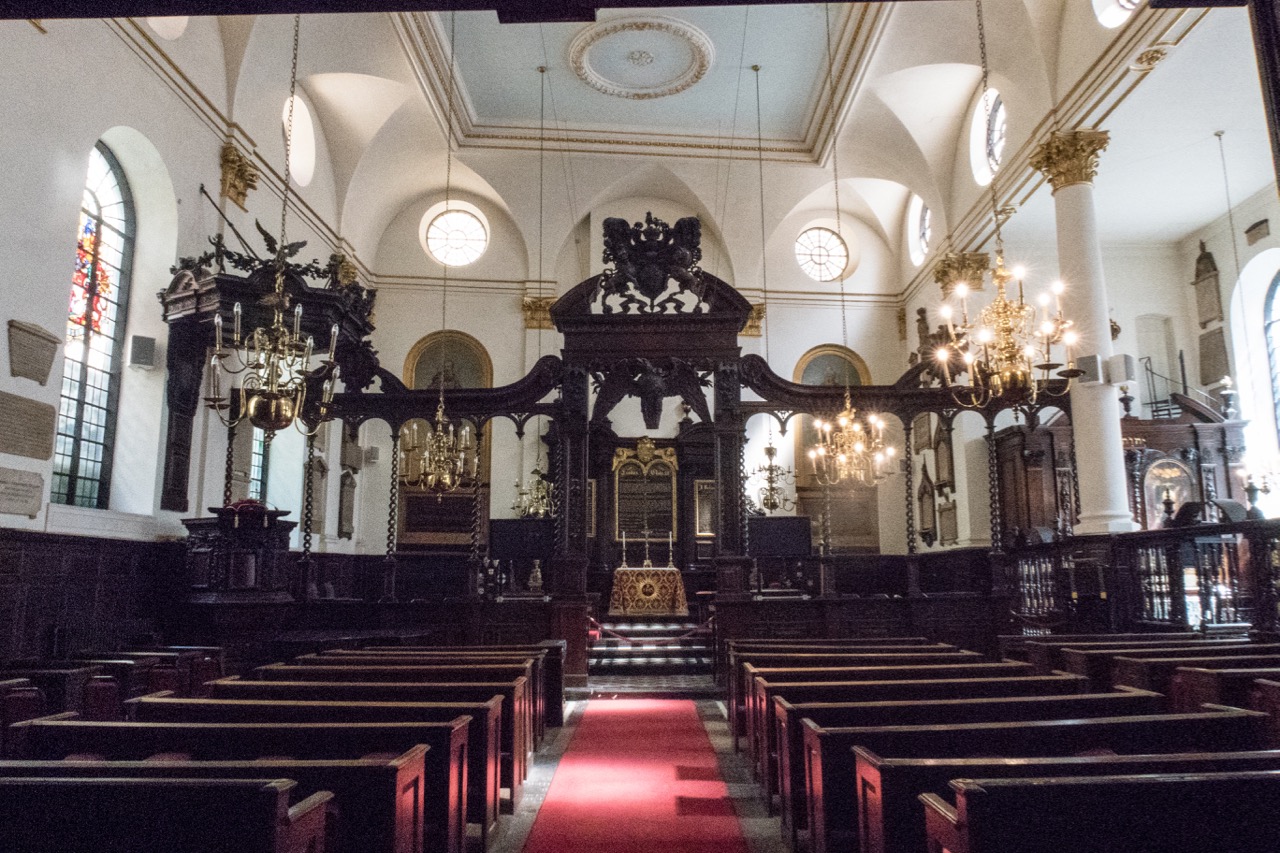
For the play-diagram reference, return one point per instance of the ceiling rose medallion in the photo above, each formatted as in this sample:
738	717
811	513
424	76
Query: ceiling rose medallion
641	56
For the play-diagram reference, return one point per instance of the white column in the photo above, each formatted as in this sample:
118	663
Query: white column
1070	161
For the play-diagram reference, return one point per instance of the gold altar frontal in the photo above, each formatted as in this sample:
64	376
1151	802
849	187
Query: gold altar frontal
647	592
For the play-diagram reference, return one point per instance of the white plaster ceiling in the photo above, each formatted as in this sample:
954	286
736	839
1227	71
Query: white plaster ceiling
1160	178
497	70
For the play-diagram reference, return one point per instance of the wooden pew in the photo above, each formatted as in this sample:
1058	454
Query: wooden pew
517	723
379	800
1266	698
739	683
444	808
1045	653
890	819
483	774
19	700
1015	646
1146	672
1187	813
831	782
1098	665
762	727
537	676
166	669
65	686
159	816
754	712
1193	686
553	673
790	779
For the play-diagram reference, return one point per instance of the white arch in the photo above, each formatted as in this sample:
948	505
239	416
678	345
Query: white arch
1252	369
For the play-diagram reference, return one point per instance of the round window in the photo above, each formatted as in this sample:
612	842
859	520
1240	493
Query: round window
919	229
987	136
456	238
822	254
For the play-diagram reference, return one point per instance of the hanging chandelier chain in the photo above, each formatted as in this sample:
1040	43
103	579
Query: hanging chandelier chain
393	500
309	500
986	111
288	157
448	161
1226	191
764	259
835	164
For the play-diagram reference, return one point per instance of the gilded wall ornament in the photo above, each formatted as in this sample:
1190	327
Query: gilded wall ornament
239	175
755	322
1149	59
955	267
1070	157
537	312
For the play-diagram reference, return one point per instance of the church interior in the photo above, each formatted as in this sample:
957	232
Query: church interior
495	426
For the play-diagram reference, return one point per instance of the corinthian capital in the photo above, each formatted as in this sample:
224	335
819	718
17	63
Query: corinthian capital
1070	156
955	267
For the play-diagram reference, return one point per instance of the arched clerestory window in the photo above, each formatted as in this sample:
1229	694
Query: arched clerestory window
94	336
1271	329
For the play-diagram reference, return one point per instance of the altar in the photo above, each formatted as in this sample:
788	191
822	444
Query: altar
648	592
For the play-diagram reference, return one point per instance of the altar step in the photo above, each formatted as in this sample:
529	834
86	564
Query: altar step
657	647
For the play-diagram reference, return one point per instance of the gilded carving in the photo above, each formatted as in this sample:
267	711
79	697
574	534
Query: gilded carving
239	175
1070	157
755	322
699	48
956	267
537	312
1149	59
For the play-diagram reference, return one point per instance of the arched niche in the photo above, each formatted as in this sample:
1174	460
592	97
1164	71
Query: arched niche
854	523
426	520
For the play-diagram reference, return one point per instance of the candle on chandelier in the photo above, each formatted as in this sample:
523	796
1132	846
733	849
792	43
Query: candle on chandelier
235	328
333	341
297	320
217	330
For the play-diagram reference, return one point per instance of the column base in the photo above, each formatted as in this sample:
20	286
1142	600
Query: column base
1105	523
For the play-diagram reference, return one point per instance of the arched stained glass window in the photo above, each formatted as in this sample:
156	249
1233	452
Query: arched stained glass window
94	337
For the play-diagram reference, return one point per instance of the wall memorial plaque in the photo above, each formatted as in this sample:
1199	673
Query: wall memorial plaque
31	351
21	492
1214	363
26	426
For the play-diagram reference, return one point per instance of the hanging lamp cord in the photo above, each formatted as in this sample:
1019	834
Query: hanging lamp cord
288	163
835	167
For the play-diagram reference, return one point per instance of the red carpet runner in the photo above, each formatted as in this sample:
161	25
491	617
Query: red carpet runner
639	776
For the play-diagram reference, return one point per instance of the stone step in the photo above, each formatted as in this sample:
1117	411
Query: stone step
676	665
690	651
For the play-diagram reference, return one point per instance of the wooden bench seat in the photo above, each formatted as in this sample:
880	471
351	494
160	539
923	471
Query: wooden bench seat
517	720
379	801
19	700
1099	665
1187	813
1148	673
552	668
739	686
763	725
831	782
753	713
40	815
890	819
537	674
789	782
1046	654
1016	646
483	774
1193	686
66	687
444	768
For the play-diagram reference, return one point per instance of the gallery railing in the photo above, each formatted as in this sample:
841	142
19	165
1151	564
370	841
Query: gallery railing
1194	577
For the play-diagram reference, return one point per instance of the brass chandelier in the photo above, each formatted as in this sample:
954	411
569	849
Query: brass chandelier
774	494
849	450
274	362
1008	353
443	460
537	499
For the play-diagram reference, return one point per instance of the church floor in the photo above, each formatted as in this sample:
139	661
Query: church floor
762	833
699	686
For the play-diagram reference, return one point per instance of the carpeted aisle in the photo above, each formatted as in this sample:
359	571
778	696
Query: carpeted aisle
639	776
